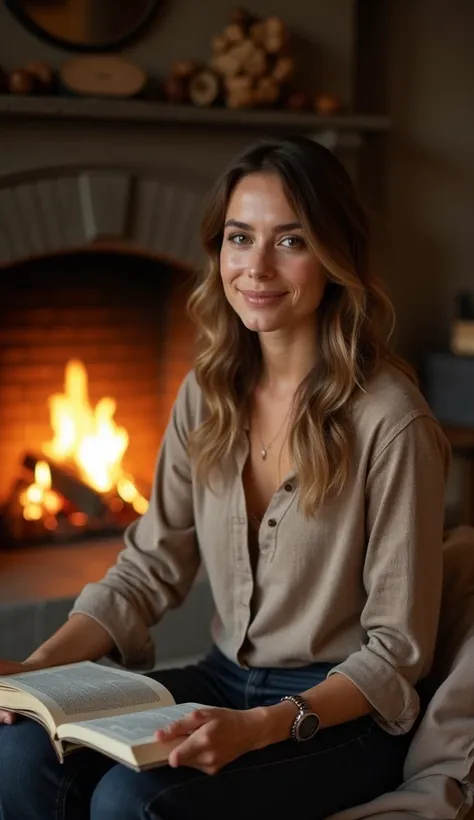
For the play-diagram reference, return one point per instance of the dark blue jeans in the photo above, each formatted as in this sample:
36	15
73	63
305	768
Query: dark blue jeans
341	767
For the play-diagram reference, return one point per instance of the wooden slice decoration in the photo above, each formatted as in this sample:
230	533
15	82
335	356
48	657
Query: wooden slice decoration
204	88
102	76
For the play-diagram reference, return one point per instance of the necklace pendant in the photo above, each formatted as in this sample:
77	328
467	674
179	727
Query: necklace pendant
263	453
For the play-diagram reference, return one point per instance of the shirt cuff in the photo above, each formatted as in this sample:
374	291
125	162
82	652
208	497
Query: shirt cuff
133	646
395	701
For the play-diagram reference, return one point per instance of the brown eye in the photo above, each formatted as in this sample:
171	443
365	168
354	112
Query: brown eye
238	239
292	242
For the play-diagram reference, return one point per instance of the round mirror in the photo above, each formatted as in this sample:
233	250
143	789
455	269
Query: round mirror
84	25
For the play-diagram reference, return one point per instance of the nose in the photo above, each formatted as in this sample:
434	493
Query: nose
259	264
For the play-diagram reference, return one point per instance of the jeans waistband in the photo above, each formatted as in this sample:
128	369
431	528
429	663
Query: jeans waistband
266	685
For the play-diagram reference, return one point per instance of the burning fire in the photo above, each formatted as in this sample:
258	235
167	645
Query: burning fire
90	439
39	499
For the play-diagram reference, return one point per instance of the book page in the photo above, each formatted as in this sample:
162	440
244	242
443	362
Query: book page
79	691
132	729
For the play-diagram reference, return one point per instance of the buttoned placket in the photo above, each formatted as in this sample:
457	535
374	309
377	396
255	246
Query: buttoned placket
281	501
279	505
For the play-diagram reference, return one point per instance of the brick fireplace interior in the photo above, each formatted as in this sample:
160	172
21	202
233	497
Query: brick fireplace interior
123	316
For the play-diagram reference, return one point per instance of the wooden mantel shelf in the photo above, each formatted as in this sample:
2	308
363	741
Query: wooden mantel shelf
146	111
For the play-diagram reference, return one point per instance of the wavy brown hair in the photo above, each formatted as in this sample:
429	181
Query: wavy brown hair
354	320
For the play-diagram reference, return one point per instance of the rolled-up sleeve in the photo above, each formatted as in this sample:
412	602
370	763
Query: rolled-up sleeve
160	560
402	577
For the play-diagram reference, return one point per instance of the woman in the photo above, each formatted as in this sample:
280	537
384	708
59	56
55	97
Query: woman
303	467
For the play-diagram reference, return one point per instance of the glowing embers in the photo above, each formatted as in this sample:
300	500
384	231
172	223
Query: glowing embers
77	484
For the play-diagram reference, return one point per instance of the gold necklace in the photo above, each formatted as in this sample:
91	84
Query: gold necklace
266	447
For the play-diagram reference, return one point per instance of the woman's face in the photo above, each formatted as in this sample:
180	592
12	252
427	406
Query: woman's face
271	277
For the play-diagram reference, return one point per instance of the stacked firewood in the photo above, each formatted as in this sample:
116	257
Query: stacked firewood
251	66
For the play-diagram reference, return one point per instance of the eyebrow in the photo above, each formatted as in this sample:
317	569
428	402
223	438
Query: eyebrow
244	226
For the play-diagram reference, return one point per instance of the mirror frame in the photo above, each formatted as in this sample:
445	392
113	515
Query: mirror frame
16	9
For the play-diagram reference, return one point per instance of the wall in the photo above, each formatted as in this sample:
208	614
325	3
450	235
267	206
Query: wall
323	28
417	63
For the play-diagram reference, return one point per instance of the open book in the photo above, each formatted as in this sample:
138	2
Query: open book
110	710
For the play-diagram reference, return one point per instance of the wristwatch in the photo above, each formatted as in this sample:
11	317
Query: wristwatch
306	722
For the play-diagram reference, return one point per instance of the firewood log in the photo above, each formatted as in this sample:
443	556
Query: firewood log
284	69
241	98
228	63
239	83
239	91
267	91
235	33
272	34
245	57
242	17
83	497
220	44
276	35
257	32
256	63
244	91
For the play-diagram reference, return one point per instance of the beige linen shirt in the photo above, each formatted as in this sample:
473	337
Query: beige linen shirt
358	584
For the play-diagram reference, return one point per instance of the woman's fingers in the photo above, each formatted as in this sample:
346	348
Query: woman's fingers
184	726
196	749
13	667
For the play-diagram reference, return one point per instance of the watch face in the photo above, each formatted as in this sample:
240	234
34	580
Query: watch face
308	726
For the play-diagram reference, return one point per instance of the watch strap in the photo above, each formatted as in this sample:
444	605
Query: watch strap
303	708
299	702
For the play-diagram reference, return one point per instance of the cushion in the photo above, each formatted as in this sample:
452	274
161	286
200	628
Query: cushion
439	767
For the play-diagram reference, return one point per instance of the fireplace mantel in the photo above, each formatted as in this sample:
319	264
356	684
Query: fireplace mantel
146	111
132	171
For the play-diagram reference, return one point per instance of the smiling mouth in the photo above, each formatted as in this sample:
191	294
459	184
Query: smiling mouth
260	298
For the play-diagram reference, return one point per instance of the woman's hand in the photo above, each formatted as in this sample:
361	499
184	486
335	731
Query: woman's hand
214	737
12	668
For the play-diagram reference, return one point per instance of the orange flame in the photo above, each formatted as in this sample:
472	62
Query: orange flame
90	439
39	499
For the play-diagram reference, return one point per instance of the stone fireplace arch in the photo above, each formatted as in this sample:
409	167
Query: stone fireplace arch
65	208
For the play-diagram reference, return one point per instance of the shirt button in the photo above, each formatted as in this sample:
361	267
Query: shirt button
272	522
288	488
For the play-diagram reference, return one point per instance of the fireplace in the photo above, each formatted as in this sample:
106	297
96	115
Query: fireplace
77	171
98	246
93	346
99	217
